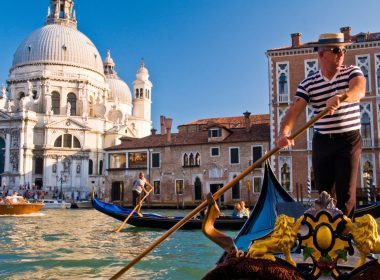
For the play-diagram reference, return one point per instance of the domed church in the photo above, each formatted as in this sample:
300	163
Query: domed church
62	106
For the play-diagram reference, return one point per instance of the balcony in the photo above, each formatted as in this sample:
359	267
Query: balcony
367	142
283	98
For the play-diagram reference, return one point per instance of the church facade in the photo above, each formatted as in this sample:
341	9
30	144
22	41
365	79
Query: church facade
62	106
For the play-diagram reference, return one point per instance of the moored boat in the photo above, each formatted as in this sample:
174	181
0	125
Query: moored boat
17	205
83	204
56	204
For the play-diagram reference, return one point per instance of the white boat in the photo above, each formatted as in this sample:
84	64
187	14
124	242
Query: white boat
84	204
56	204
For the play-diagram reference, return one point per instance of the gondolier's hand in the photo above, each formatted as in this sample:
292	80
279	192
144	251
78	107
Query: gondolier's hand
283	140
333	103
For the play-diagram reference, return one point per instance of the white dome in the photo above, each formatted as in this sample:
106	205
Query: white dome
58	44
120	90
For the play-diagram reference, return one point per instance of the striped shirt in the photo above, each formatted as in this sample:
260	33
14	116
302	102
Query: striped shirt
316	90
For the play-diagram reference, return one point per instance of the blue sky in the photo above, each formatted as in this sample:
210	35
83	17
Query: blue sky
206	58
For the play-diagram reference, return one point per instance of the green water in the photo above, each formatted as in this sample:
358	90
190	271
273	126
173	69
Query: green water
80	244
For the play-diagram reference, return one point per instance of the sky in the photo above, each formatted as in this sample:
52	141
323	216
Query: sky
206	58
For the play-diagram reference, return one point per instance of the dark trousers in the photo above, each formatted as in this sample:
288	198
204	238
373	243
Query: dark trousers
336	163
136	196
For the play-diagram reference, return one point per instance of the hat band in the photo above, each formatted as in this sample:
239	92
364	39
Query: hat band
332	40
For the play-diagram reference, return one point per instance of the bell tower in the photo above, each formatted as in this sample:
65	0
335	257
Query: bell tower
142	89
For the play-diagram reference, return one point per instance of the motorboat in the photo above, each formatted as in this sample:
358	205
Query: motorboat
18	205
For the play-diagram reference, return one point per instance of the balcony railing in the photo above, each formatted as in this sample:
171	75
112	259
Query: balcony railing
283	98
367	142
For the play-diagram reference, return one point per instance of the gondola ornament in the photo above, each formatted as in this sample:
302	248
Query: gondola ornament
324	236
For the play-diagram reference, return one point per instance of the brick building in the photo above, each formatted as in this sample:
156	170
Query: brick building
203	156
288	66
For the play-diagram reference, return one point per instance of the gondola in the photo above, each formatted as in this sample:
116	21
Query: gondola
320	239
150	220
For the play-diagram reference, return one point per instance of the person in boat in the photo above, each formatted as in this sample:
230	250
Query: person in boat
337	140
138	191
237	213
244	210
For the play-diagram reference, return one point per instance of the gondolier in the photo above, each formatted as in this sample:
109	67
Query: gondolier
138	188
337	139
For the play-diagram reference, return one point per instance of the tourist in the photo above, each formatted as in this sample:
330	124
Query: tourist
237	213
138	191
244	210
337	141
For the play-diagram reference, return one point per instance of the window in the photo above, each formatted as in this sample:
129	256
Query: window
90	167
365	119
78	168
285	172
178	186
311	67
234	155
157	187
214	151
137	160
55	102
191	160
117	160
100	167
378	74
257	184
363	63
72	99
155	160
283	82
214	132
197	159
185	160
257	153
69	141
39	165
54	168
236	190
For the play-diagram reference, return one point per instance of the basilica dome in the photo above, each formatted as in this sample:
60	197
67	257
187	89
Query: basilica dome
58	44
120	90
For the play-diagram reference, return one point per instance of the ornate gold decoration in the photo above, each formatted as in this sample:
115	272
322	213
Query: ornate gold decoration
365	235
281	240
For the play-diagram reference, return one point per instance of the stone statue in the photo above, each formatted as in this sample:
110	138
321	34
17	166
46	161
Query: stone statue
68	109
3	91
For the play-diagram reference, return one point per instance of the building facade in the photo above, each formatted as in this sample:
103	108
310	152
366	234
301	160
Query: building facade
183	167
290	65
62	106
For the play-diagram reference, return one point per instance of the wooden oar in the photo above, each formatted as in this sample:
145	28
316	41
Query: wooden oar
134	209
221	191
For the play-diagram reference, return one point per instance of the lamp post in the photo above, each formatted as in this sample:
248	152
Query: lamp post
61	179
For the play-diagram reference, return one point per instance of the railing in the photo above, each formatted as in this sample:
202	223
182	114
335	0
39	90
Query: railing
367	142
367	195
283	98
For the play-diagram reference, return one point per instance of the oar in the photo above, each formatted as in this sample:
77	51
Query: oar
134	209
217	194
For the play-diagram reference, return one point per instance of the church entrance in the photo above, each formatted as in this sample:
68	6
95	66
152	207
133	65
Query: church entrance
117	191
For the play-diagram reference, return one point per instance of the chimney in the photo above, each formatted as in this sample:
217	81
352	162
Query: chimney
168	125
153	131
162	124
247	121
296	39
347	33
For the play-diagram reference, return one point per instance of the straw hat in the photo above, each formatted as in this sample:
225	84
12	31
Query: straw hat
330	39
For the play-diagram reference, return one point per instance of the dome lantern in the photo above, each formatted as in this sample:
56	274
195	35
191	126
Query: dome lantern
62	13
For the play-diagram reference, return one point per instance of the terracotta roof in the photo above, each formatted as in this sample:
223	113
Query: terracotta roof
231	122
258	132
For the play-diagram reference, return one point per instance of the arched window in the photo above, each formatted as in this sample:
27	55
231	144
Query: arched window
72	99
100	167
141	93
285	176
197	159
236	190
67	141
21	95
55	102
283	84
137	93
191	159
90	167
365	126
185	160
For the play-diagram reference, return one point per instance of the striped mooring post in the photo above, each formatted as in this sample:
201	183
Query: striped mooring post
369	190
309	190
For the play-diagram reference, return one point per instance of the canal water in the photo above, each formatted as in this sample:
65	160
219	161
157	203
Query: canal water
81	244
